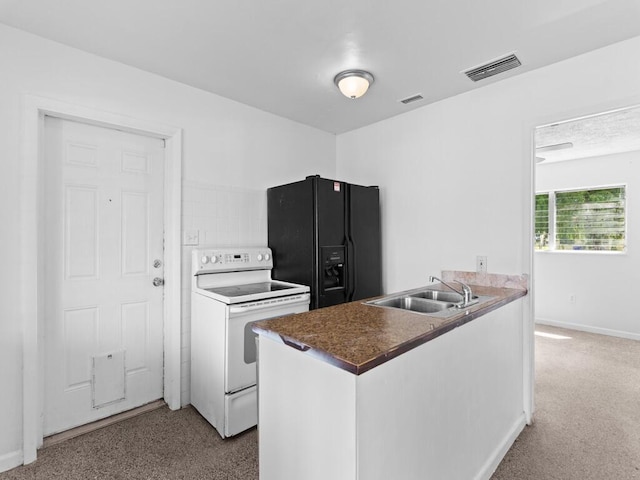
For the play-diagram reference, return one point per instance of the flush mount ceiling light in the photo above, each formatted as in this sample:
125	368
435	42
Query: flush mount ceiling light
353	83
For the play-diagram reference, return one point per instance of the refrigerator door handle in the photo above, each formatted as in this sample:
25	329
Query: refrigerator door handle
351	268
351	252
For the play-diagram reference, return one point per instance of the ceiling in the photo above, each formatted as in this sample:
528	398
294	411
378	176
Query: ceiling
281	55
604	134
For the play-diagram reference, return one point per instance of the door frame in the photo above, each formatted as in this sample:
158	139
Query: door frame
529	127
31	241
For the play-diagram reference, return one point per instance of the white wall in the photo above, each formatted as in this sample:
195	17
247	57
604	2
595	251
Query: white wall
455	176
602	284
231	154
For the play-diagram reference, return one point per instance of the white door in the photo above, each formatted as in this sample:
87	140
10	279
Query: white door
103	244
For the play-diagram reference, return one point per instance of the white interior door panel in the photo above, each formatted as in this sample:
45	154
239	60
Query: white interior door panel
104	232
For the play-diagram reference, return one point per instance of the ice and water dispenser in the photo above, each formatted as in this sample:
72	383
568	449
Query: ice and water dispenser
333	268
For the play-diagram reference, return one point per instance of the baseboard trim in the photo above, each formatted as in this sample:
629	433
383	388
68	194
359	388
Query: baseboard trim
589	329
501	450
11	460
105	422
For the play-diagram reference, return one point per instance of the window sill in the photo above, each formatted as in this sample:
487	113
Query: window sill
582	252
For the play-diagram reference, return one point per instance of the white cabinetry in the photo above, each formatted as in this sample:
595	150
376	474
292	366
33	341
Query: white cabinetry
449	408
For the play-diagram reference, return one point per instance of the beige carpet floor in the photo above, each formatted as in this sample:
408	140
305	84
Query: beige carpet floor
587	420
587	426
157	445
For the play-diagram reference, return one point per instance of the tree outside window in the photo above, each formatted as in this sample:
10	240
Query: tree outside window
542	222
581	220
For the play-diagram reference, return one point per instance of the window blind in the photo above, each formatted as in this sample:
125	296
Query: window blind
590	219
542	231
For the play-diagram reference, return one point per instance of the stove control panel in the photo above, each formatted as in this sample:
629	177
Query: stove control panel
214	260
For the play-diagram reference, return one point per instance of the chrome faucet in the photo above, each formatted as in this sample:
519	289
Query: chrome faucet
466	292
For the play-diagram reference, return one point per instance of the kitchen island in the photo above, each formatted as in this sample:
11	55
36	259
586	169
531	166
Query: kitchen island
357	391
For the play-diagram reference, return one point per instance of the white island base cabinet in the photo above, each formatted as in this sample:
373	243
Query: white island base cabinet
447	409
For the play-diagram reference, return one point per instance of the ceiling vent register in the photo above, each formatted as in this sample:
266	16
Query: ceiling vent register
413	98
494	68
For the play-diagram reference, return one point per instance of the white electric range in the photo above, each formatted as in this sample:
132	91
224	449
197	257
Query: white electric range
231	289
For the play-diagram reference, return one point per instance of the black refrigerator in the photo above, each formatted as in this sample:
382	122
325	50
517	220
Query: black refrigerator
326	234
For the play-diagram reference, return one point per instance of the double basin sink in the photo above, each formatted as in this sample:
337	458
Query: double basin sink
436	303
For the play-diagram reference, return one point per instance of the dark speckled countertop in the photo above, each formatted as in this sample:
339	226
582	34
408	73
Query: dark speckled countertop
358	337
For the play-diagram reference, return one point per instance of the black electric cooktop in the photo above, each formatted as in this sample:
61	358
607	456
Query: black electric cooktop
248	289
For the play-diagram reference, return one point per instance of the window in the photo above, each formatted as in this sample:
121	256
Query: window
590	220
542	221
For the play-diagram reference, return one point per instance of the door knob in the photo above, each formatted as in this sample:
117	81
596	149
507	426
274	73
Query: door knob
158	281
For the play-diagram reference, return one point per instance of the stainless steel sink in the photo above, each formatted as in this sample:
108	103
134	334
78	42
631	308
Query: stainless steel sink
439	295
414	304
436	303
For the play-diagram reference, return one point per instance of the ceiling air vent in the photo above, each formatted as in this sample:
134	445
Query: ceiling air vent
493	68
412	99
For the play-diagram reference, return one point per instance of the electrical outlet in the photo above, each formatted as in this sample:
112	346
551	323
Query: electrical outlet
192	237
572	299
481	264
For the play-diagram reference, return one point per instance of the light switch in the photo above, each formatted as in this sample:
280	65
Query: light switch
481	264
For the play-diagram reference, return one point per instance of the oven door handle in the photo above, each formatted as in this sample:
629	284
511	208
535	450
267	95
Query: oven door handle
269	304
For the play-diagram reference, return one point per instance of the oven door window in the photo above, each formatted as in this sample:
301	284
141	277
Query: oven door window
249	344
240	371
